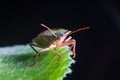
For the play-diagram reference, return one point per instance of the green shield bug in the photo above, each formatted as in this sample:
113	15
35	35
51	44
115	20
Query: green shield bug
50	39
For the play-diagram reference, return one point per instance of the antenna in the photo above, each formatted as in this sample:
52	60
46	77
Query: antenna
80	29
48	29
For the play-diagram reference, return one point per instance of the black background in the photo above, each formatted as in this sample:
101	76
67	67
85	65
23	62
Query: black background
98	49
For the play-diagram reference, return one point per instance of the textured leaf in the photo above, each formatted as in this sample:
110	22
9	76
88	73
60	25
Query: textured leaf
15	61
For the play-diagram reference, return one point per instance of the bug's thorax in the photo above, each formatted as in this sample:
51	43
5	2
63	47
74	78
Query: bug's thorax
61	39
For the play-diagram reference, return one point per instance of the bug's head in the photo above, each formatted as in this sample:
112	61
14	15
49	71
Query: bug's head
60	32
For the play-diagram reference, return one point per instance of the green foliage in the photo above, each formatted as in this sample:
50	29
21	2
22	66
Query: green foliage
15	61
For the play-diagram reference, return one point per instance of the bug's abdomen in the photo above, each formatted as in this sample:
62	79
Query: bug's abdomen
44	41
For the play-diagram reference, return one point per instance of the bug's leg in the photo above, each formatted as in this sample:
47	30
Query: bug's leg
71	42
69	38
54	51
31	45
38	55
35	60
74	46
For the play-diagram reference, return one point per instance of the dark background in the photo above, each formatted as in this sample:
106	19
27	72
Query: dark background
98	49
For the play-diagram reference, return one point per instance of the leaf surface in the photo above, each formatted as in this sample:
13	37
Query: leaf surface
15	61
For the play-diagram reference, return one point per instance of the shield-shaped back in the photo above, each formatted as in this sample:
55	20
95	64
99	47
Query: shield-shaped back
57	31
44	41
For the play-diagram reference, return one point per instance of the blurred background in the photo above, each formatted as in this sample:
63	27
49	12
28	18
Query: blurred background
98	49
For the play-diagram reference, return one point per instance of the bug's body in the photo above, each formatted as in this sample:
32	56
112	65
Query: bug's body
45	39
52	38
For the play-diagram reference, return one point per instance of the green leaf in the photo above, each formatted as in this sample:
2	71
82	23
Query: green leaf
15	61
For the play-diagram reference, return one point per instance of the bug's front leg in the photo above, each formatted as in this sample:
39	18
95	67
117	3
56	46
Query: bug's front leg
54	51
72	43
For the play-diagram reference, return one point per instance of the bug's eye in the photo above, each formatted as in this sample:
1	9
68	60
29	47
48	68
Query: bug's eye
58	34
